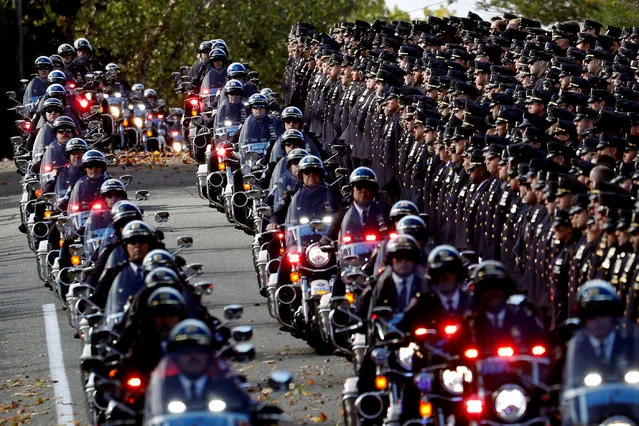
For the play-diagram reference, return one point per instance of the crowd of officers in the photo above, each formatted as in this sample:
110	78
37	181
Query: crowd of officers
518	142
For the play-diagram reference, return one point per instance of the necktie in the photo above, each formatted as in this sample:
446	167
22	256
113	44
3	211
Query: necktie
193	391
140	273
403	292
602	351
364	217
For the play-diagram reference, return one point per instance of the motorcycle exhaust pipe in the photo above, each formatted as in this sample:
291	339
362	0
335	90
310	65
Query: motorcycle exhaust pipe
286	294
369	405
240	199
215	179
40	230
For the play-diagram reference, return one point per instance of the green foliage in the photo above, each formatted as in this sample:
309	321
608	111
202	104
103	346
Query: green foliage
613	12
151	38
441	12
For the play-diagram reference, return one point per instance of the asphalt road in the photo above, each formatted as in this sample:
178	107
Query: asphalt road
26	385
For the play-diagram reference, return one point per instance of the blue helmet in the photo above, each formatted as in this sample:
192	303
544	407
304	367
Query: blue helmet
236	70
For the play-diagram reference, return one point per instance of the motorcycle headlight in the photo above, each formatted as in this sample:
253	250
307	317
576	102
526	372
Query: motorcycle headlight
316	257
453	380
138	122
510	403
177	146
217	405
632	377
592	379
618	421
118	95
176	407
228	123
115	111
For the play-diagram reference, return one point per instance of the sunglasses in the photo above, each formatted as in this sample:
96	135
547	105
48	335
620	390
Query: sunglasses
361	186
134	241
53	111
92	166
44	68
60	131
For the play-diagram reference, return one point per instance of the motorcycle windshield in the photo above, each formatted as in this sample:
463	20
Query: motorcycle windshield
218	393
308	232
95	230
123	287
52	160
358	253
595	404
198	418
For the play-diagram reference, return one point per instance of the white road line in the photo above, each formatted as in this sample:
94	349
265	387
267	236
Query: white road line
61	390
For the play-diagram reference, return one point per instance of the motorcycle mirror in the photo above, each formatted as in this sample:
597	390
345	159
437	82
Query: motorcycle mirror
252	156
567	329
203	288
110	159
233	312
250	179
24	81
346	189
196	120
243	352
49	197
16	141
255	194
96	109
142	195
337	149
161	217
341	171
161	102
265	210
126	179
76	249
94	124
185	242
242	333
383	312
280	380
11	94
176	74
194	268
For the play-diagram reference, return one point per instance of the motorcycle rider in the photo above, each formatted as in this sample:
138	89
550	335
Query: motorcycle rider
138	239
215	78
287	183
87	190
54	153
70	108
604	344
137	92
417	228
52	108
237	71
151	99
230	107
115	82
201	376
67	53
258	127
38	84
201	66
85	61
111	251
293	120
446	276
290	139
314	199
67	176
273	106
496	321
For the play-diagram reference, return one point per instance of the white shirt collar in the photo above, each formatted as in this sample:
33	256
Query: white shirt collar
398	284
499	317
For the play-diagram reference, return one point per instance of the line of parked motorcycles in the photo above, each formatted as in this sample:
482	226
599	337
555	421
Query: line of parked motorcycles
115	394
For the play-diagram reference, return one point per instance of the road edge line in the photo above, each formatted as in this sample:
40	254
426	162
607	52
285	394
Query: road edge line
63	403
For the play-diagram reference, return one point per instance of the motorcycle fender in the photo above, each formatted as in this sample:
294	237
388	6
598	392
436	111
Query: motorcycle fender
350	385
320	288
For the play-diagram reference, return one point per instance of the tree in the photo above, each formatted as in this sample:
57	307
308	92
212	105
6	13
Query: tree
612	12
441	12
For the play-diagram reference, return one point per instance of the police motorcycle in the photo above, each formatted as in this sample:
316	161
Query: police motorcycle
228	118
134	116
598	389
113	102
174	137
383	404
224	398
193	106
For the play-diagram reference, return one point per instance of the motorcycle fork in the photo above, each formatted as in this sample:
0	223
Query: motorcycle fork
305	299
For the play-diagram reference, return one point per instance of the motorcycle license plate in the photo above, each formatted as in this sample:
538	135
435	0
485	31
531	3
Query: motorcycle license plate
320	287
260	148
